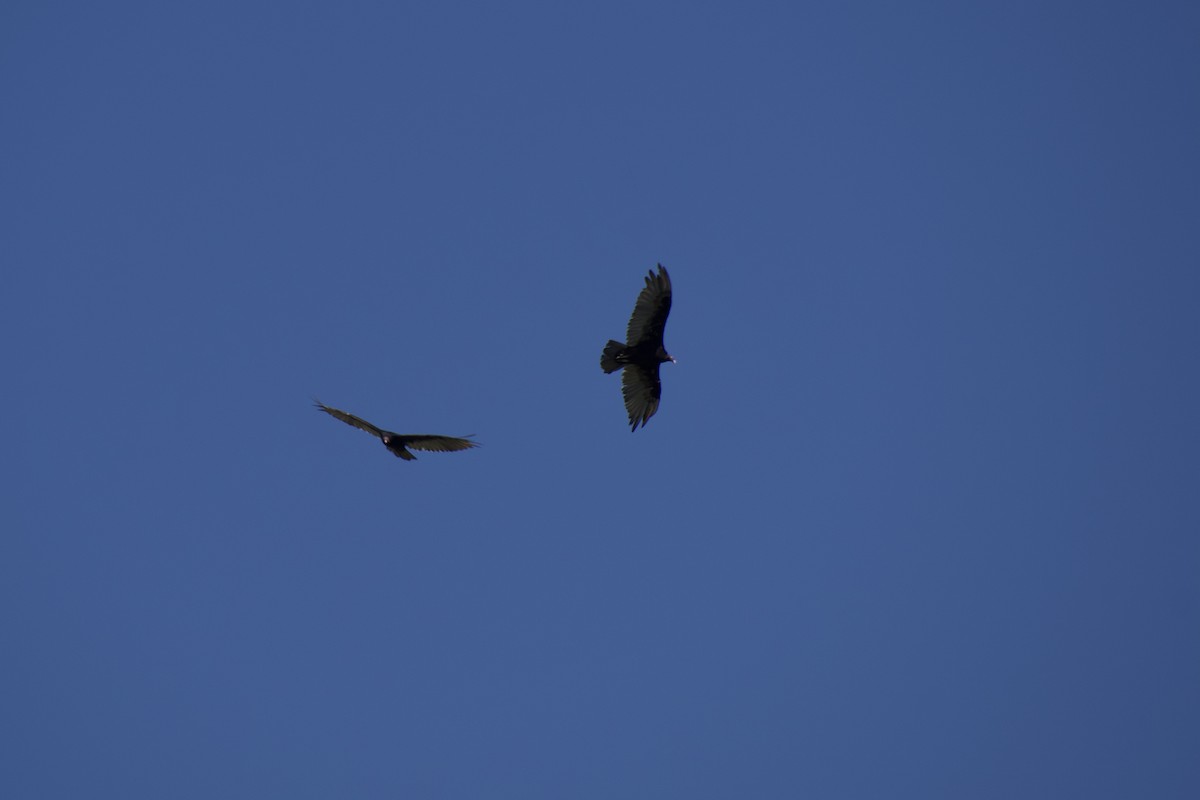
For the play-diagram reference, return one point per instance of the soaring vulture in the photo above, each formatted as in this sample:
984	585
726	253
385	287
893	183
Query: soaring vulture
397	442
643	350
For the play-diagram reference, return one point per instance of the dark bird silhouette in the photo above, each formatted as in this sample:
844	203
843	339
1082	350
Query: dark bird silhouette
396	442
643	350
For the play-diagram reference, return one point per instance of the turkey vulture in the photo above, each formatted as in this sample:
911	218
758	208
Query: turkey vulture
643	350
396	442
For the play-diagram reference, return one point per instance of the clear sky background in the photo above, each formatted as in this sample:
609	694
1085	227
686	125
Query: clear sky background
918	515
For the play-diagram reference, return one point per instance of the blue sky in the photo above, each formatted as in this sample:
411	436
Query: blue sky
917	516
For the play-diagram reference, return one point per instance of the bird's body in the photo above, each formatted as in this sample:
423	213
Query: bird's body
397	442
643	350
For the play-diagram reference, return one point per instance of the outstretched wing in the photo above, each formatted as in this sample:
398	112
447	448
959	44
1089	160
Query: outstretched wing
649	317
350	419
642	390
436	444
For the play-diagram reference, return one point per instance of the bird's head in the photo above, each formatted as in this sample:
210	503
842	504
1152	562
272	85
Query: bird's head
664	356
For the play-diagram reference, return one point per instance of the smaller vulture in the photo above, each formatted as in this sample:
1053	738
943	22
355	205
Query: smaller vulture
397	442
643	350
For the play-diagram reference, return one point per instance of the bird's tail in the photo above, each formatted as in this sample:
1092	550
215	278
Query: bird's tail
609	359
